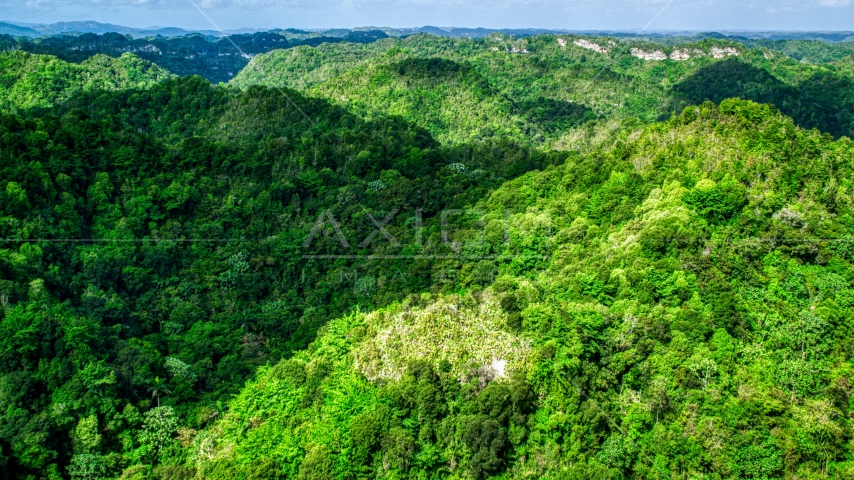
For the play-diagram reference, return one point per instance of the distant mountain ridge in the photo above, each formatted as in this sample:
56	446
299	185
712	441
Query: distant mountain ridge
101	28
10	28
214	58
16	30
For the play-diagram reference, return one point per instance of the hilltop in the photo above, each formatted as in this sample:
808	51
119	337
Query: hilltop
40	81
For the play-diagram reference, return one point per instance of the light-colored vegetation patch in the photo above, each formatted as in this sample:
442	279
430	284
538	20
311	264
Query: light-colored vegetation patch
467	333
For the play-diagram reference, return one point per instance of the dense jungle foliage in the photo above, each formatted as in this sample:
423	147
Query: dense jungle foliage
428	258
30	82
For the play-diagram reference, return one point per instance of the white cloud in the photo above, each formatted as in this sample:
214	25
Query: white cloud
835	3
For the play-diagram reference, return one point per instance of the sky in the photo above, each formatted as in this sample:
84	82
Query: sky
697	15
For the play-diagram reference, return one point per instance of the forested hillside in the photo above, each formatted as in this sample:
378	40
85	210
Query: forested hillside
559	80
170	223
547	257
809	51
39	81
675	306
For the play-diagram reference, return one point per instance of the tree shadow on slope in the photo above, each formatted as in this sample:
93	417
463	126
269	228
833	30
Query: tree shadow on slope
440	70
547	114
824	101
429	67
555	115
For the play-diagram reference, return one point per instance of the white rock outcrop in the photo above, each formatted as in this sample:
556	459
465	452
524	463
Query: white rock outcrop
680	55
150	49
719	52
656	55
561	42
591	46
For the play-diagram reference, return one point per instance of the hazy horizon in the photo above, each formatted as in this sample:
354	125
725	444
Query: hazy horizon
609	15
415	27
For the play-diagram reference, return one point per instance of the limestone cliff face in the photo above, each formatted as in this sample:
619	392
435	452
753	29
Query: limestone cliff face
591	46
644	55
680	55
719	52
